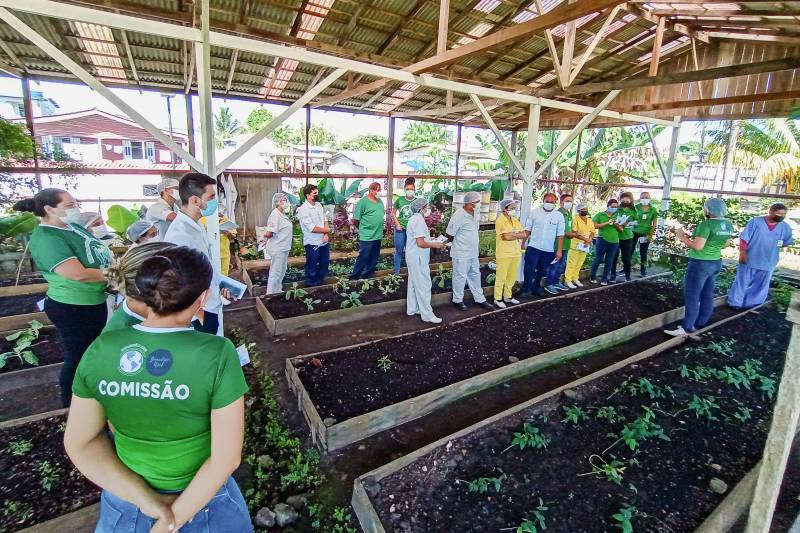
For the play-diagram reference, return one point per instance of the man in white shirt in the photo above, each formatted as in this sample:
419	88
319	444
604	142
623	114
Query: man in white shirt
199	199
316	234
166	208
545	228
462	229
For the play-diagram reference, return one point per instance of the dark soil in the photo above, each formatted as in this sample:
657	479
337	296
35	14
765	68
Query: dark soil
20	305
25	279
331	300
350	382
25	499
667	482
47	348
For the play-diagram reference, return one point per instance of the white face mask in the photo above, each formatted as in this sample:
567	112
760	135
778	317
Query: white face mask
426	212
71	215
512	212
155	238
644	201
567	205
99	232
175	195
548	206
409	194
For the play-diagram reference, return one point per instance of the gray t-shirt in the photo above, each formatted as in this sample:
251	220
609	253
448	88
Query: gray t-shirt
463	227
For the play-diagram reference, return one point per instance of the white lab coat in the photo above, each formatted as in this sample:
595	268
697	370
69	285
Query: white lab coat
463	227
418	299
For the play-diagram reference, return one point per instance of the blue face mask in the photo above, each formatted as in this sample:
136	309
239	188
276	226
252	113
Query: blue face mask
211	207
548	206
612	209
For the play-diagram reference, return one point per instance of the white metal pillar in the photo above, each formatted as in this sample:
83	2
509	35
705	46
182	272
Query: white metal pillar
666	192
531	144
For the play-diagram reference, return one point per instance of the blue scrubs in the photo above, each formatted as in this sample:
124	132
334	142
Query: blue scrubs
751	286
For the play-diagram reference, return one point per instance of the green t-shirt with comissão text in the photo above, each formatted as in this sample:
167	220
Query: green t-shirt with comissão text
158	387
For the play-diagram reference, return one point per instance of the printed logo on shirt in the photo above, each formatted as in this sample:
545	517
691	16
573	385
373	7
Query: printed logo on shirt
131	359
159	362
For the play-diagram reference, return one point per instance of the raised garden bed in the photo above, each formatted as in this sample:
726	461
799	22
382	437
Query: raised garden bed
25	279
632	445
349	394
323	306
17	311
47	348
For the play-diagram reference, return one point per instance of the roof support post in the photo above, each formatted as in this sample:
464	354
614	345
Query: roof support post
666	192
390	175
730	151
28	105
582	123
280	119
497	134
527	175
655	151
62	58
190	122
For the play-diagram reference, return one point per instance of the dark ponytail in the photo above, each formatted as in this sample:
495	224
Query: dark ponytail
172	280
46	197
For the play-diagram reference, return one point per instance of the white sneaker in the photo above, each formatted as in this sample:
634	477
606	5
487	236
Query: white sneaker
578	283
501	305
512	301
433	320
679	332
571	285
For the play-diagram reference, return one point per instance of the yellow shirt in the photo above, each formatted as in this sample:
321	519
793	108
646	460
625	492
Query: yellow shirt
583	228
505	249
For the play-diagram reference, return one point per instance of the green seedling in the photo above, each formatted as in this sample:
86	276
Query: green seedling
623	519
482	484
19	448
341	286
352	299
295	292
743	414
530	437
48	475
574	414
385	363
490	279
767	386
609	414
23	340
721	348
644	386
703	406
535	521
367	284
441	277
310	303
640	430
612	471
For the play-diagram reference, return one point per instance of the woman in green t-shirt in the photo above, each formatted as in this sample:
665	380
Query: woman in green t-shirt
705	262
174	398
627	243
607	243
645	228
72	261
122	278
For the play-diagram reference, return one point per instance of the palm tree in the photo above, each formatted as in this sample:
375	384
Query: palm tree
422	133
225	126
770	145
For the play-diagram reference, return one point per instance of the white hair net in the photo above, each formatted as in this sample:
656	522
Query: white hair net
418	204
472	196
505	204
137	229
167	183
716	207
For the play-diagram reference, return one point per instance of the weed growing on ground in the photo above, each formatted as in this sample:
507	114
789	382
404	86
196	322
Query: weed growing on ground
19	448
574	414
18	510
385	363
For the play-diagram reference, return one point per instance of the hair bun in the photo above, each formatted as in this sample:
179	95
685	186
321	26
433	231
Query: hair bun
28	205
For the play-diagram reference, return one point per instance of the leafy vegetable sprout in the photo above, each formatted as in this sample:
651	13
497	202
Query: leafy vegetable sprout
535	521
767	386
611	471
390	284
723	347
341	286
624	518
642	429
483	484
661	297
352	299
48	475
19	448
644	386
530	437
367	284
295	292
609	414
23	340
742	413
310	303
574	414
385	363
441	277
490	279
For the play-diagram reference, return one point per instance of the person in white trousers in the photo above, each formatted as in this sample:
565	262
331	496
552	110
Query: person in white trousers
418	256
278	238
462	230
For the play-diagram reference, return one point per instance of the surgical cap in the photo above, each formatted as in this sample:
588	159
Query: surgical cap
418	204
167	183
716	207
86	218
277	197
582	205
471	197
504	204
137	229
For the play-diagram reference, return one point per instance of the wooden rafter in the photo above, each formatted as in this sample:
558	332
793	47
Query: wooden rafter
587	53
726	12
677	27
231	70
707	102
11	55
124	36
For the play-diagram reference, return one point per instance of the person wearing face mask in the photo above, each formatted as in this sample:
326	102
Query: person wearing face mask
545	227
278	238
166	208
142	231
557	269
462	230
583	235
369	217
316	235
94	223
705	262
627	242
508	253
760	243
607	242
175	400
645	228
199	199
72	262
418	256
400	215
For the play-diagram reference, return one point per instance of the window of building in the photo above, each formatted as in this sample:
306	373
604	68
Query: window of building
150	151
133	149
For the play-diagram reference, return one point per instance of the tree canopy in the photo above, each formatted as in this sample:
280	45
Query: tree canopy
225	126
426	133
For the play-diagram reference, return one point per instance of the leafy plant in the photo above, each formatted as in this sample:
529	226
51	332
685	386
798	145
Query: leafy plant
367	284
385	363
441	277
302	470
295	292
490	279
341	286
530	437
640	430
767	386
703	406
743	414
624	518
536	521
19	448
120	218
18	224
574	414
48	475
352	299
482	484
722	348
644	386
310	303
23	340
390	283
609	414
611	471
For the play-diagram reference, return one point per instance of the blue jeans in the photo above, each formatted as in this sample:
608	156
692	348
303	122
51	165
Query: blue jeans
368	254
536	265
317	259
399	250
554	272
698	292
643	247
604	253
225	513
625	251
